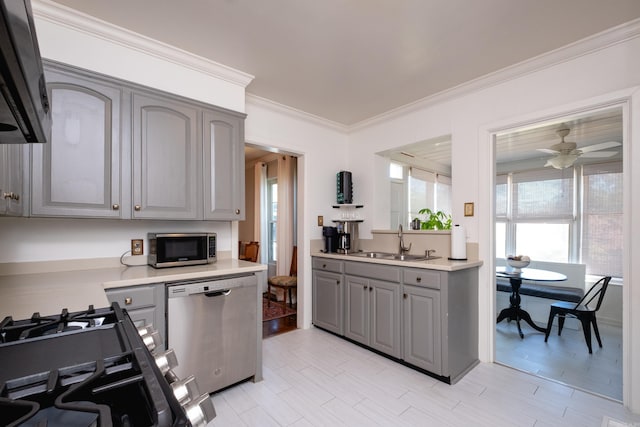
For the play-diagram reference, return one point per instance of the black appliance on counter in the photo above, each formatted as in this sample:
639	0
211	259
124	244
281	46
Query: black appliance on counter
91	368
330	235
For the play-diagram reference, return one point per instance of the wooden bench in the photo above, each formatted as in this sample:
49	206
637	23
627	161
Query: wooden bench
558	293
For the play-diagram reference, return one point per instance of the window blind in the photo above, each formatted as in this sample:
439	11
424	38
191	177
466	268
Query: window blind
542	194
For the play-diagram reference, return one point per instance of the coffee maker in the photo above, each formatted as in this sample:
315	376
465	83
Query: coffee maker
347	236
330	235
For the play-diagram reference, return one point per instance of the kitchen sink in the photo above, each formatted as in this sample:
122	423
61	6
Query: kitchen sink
386	255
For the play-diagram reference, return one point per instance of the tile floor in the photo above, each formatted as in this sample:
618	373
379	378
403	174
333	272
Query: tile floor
565	358
313	378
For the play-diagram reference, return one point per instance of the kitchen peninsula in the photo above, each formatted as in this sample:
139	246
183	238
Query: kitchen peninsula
423	314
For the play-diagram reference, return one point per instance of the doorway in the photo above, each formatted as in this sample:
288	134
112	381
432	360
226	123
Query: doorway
562	205
271	203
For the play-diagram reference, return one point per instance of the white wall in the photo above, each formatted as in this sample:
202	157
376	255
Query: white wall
603	76
515	97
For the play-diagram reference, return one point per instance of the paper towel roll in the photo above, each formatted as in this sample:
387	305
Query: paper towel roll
458	243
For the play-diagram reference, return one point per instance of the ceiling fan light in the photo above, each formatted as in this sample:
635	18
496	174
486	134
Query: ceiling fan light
562	161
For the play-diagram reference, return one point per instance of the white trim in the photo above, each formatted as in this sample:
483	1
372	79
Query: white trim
58	14
566	53
631	341
294	112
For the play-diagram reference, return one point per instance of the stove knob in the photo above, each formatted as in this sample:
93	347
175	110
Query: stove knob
152	340
200	411
185	390
145	329
166	360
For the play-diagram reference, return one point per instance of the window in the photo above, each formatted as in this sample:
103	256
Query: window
427	190
272	204
552	216
602	219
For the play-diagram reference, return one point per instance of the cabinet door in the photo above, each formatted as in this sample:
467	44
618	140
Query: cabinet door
11	182
327	301
385	317
166	159
356	322
77	173
422	328
223	166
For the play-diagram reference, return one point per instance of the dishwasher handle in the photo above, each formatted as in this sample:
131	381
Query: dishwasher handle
223	292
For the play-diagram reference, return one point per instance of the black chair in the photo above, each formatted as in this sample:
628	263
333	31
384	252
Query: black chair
581	311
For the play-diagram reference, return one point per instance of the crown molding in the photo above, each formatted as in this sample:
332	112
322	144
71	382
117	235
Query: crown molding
58	14
586	46
293	112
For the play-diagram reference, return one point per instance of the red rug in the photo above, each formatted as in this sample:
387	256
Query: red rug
276	310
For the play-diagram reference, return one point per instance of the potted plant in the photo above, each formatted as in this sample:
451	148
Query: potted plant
435	220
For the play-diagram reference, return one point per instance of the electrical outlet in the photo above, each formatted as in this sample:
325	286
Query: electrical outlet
320	220
136	246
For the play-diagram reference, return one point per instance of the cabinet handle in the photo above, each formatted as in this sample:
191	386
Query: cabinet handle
137	207
128	301
370	288
324	265
418	279
404	296
337	282
237	211
15	196
7	195
115	207
365	287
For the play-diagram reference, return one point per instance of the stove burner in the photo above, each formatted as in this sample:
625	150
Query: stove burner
88	368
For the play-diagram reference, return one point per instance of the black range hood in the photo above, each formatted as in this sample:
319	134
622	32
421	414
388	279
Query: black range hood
24	106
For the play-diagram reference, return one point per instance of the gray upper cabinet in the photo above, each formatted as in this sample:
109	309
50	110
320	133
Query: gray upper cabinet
223	166
120	150
166	159
77	173
11	182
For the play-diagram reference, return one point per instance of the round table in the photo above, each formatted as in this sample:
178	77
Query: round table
514	312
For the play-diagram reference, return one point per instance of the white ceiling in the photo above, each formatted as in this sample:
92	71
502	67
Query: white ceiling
348	61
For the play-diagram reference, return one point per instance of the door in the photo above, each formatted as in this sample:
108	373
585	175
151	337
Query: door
166	159
357	296
223	166
422	328
327	301
78	172
385	317
11	182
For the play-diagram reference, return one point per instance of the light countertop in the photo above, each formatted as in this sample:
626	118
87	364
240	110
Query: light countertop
49	293
442	264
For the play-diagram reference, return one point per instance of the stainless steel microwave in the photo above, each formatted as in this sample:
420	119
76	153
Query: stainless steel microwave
181	249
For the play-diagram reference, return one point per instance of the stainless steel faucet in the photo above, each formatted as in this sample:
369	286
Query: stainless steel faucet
403	249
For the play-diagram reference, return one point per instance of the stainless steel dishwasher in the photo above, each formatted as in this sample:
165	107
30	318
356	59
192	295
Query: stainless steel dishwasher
212	327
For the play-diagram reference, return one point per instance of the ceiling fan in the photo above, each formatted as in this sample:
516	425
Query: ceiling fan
565	153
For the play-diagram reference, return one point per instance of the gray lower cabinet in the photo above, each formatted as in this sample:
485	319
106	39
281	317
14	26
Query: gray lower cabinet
422	338
77	173
144	303
372	309
328	295
440	313
427	318
166	159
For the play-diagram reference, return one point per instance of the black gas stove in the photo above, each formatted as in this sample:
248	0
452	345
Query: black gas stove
89	368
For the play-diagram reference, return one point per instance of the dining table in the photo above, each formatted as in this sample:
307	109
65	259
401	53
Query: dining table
516	276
